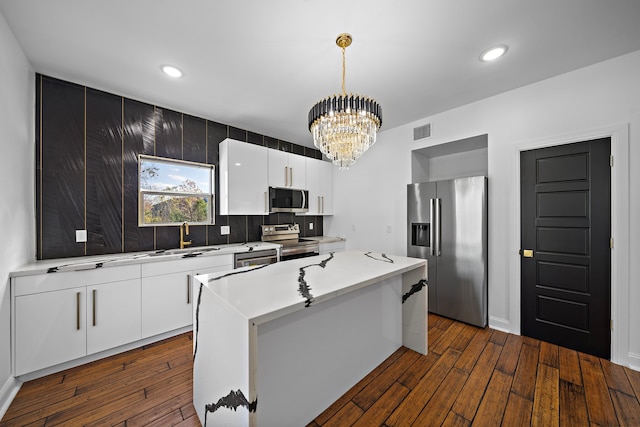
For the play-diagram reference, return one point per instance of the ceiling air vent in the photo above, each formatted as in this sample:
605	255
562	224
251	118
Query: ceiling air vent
423	131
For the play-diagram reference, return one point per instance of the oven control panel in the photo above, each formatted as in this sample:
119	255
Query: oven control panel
274	230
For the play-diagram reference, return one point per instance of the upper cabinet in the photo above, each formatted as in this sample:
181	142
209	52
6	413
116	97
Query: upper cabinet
319	179
286	170
247	171
243	178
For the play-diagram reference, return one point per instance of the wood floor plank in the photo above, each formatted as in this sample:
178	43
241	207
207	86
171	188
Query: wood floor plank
436	411
616	377
455	420
573	406
440	345
599	404
468	359
492	407
549	354
346	416
546	399
463	338
524	381
569	366
634	379
412	405
412	376
509	357
498	337
518	411
469	398
381	409
375	389
627	408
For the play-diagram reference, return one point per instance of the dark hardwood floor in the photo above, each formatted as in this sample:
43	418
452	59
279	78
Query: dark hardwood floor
471	376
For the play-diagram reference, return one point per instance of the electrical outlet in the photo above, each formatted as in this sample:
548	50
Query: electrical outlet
81	236
353	227
225	229
310	226
388	229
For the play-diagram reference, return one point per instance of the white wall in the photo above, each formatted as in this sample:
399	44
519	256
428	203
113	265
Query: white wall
17	151
596	100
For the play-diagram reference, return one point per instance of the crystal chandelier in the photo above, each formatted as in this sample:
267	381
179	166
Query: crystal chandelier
344	126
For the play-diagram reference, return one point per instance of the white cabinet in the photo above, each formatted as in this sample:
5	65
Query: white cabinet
286	170
168	294
243	178
50	328
113	315
320	185
63	316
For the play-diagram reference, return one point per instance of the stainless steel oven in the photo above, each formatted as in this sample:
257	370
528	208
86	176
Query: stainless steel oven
293	246
253	257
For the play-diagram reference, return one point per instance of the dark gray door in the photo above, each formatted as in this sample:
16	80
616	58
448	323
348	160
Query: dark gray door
566	260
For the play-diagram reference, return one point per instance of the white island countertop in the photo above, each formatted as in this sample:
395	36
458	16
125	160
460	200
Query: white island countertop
264	293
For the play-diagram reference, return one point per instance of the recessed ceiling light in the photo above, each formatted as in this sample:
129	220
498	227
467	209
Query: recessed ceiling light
171	71
493	53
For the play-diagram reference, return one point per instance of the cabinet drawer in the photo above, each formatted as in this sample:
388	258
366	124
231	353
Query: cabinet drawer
186	264
26	285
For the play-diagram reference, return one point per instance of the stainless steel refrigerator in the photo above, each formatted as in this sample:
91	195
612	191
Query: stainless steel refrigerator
447	225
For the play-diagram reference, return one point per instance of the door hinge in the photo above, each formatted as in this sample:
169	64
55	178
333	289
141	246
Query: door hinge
611	243
611	161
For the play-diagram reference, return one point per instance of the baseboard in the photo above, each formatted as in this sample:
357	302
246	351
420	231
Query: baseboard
499	324
634	361
7	393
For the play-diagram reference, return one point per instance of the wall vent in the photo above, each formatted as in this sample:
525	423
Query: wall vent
423	131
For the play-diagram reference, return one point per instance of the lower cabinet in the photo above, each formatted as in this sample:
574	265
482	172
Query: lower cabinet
50	328
113	315
58	326
63	316
168	296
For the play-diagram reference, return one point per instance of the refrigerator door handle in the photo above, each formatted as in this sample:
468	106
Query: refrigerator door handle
432	226
437	225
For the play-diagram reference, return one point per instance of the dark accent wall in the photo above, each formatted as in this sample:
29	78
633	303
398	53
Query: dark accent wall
87	147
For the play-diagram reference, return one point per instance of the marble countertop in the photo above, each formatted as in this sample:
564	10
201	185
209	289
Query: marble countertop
264	293
112	260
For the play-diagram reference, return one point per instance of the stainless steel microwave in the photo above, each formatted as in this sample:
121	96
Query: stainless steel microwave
288	200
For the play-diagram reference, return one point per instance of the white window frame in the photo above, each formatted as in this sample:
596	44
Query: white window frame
182	163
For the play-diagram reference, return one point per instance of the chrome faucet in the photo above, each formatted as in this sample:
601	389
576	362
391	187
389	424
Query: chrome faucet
184	231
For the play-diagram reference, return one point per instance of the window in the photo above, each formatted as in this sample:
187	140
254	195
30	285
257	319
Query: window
171	192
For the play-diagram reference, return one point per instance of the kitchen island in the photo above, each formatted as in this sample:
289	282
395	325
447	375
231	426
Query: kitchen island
275	345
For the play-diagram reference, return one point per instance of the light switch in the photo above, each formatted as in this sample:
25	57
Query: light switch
310	226
225	229
81	236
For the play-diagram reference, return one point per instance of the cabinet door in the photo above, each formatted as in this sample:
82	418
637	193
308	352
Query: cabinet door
278	168
243	178
50	328
326	188
313	185
113	315
167	303
297	168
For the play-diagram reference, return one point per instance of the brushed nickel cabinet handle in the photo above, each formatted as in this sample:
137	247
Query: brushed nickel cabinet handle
188	289
77	311
322	204
319	210
286	176
291	177
95	297
266	209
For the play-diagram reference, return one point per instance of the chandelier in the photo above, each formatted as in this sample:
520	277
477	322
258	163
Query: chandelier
344	126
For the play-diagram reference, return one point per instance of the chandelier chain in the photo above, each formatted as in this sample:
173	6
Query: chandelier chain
344	68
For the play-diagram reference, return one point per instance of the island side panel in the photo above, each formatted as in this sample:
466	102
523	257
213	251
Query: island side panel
221	363
414	310
309	358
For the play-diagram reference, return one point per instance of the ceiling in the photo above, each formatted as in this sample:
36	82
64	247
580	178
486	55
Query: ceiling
260	65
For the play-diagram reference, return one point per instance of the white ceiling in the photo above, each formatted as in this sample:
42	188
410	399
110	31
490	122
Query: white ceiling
260	65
